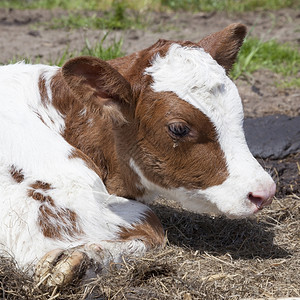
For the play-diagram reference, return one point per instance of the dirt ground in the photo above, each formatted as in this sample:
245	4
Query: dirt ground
206	257
21	36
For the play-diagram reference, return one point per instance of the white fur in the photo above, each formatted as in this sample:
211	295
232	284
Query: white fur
37	147
195	77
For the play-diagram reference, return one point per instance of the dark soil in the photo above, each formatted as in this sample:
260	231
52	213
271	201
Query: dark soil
286	173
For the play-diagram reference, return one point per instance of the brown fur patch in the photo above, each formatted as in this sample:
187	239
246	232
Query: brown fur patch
41	185
40	197
16	174
92	134
36	195
224	45
150	231
95	82
43	90
55	222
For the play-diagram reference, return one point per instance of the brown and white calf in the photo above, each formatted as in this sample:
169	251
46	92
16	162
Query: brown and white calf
78	142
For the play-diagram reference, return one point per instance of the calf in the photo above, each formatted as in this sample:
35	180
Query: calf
78	142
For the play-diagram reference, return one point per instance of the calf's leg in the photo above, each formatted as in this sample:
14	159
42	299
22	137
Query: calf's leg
61	267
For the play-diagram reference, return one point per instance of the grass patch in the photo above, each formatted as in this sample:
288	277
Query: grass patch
255	54
98	50
229	5
49	4
80	4
139	5
105	53
110	20
286	84
116	18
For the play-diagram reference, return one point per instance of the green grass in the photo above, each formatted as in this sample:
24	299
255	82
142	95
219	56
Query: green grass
105	53
229	5
286	84
112	21
116	18
49	4
191	5
98	50
80	4
116	15
255	54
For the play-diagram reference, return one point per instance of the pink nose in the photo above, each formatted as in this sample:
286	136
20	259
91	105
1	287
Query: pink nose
263	198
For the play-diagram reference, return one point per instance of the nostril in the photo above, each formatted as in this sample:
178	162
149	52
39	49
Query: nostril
262	198
257	200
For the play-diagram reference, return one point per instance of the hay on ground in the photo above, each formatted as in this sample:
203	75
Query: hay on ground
205	258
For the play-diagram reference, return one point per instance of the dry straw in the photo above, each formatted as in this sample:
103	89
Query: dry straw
205	258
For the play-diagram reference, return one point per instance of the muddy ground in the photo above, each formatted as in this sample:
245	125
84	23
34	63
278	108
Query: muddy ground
206	257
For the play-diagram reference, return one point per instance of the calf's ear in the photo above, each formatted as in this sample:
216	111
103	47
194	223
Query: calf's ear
224	45
98	85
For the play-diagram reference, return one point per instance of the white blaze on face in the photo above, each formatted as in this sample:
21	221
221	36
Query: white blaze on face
195	77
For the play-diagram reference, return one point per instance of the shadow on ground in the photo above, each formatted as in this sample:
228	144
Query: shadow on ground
242	239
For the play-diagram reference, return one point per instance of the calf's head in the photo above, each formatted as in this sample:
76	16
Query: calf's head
181	128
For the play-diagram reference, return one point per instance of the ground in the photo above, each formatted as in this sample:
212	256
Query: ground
21	36
206	257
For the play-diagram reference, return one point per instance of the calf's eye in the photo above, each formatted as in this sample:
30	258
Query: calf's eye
178	129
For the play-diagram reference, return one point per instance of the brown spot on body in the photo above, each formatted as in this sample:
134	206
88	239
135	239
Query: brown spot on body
55	222
16	174
41	195
150	231
58	223
41	185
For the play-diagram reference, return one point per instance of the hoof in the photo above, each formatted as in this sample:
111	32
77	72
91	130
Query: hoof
61	267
